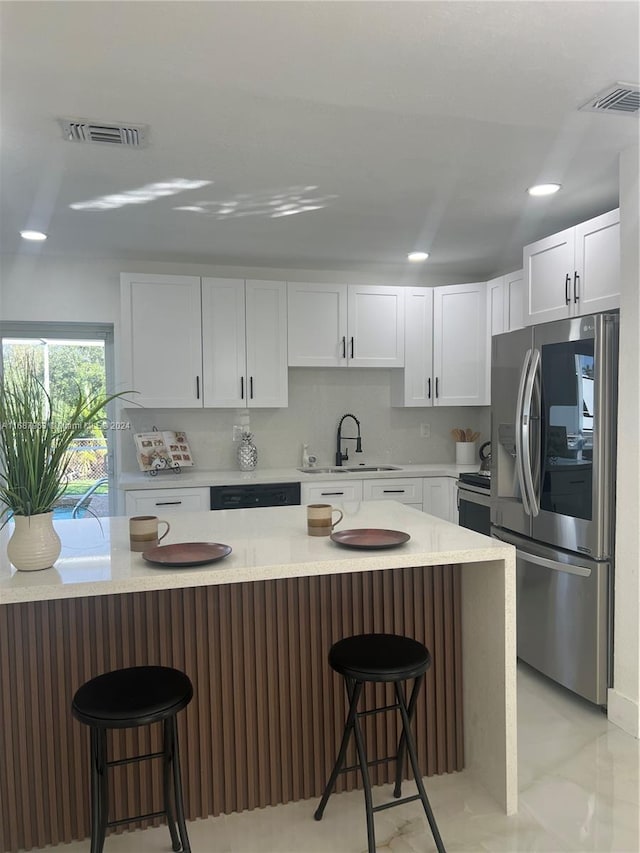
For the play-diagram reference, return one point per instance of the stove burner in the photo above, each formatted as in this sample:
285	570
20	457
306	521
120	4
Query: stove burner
477	478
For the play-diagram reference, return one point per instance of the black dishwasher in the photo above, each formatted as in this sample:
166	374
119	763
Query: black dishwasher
255	494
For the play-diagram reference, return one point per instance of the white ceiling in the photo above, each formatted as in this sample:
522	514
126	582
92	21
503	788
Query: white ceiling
420	124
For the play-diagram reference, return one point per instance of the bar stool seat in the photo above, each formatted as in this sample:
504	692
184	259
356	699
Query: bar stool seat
380	658
128	698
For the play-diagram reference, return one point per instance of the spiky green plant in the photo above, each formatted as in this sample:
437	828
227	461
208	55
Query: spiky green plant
35	441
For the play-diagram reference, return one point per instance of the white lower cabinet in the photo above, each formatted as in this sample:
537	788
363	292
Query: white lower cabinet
439	498
331	492
157	501
406	491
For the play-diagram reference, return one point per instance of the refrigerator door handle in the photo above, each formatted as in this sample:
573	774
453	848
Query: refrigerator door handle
527	400
583	571
519	419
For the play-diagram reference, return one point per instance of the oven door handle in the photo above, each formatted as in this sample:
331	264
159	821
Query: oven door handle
472	497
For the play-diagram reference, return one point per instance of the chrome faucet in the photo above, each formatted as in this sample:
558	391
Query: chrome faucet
344	457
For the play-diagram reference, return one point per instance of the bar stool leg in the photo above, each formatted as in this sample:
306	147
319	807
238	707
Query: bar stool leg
366	784
99	789
177	786
353	694
397	791
167	788
95	791
413	757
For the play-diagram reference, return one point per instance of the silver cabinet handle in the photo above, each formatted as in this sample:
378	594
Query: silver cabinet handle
567	283
576	284
327	494
168	503
344	347
197	387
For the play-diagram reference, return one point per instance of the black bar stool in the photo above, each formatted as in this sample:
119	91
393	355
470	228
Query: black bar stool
380	658
124	699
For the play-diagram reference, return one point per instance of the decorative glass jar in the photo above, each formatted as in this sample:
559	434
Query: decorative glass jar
247	452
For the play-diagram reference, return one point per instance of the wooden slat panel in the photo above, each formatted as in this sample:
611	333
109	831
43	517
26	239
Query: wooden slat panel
268	712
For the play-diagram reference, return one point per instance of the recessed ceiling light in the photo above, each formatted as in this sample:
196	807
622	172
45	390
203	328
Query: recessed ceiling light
544	189
33	235
416	257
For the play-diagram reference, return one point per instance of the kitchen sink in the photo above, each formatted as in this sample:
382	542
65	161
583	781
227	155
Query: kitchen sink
341	470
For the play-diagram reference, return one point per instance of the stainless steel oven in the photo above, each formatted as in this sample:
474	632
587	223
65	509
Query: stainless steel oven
474	502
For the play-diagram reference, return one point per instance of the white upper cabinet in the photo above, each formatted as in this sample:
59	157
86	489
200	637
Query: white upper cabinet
514	300
505	303
161	344
597	264
375	326
446	348
244	343
345	325
192	343
224	342
317	324
414	386
574	272
460	350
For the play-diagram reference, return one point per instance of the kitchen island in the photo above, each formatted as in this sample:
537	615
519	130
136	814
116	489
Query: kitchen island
253	632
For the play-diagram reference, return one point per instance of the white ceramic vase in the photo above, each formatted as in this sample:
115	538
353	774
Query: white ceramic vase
465	452
34	543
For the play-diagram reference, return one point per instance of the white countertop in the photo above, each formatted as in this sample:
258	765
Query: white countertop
267	543
192	477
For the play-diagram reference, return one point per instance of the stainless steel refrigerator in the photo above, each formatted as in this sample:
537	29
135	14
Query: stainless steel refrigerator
553	434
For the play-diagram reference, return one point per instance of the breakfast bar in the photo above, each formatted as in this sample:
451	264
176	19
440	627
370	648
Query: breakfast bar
252	631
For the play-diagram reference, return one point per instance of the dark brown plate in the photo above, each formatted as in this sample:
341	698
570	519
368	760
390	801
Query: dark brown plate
370	538
186	554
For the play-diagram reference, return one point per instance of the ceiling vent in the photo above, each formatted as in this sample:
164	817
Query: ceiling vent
83	130
621	98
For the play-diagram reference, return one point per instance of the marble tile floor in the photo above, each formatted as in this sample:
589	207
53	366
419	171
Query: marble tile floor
579	791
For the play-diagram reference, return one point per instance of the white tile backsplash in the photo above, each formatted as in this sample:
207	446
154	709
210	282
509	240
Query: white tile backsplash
318	397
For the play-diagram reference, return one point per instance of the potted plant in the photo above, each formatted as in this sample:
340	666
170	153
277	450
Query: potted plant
35	438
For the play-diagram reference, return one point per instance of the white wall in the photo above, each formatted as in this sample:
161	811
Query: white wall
624	699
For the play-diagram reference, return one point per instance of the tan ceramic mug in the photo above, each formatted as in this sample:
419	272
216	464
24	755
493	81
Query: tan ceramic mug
143	532
320	519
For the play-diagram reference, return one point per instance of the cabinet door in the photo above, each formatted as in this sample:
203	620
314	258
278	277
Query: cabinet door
414	386
161	346
514	300
317	324
329	492
266	315
406	491
375	326
548	273
460	345
597	264
158	501
496	306
223	342
438	497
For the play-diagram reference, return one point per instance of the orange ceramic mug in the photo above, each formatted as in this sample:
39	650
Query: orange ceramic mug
320	519
143	532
